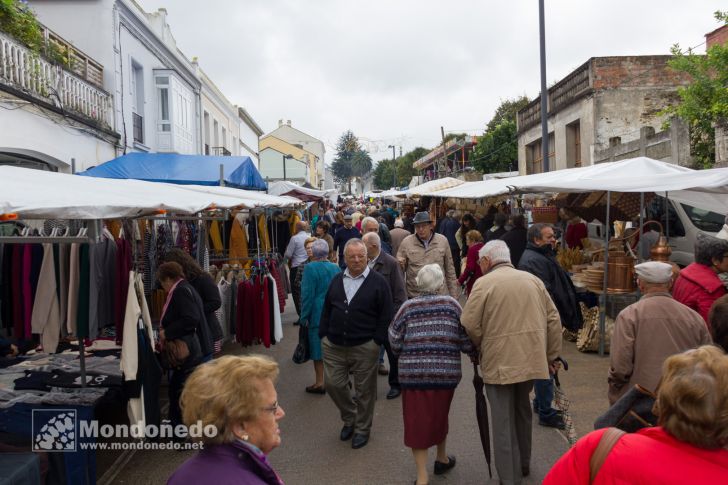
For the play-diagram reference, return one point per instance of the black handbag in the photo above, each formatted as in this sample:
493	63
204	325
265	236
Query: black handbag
632	412
303	349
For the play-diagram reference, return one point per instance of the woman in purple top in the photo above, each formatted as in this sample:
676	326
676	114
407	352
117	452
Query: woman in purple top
236	395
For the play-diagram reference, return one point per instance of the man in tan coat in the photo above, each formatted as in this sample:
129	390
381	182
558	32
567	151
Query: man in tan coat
651	330
512	320
426	247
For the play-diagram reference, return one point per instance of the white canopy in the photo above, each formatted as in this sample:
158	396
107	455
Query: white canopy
249	198
38	194
284	187
433	186
639	174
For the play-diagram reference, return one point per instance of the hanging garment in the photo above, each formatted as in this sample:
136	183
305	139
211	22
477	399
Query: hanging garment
293	219
216	238
84	284
233	309
74	280
280	290
6	293
46	319
277	324
121	288
222	313
263	234
238	241
16	287
136	311
102	273
262	311
64	256
150	258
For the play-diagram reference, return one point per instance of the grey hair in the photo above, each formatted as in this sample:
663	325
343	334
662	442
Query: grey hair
372	237
366	221
399	223
496	251
320	249
354	242
708	248
430	278
534	232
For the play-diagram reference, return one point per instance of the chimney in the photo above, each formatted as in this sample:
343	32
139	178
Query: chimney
280	123
288	122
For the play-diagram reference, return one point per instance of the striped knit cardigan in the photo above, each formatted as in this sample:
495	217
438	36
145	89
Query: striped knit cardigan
427	335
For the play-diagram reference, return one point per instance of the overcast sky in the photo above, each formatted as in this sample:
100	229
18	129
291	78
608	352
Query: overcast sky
394	71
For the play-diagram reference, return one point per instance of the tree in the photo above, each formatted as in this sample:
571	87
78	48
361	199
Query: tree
704	102
383	172
497	150
351	159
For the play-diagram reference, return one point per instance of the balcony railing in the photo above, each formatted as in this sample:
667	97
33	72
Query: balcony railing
138	127
25	71
220	151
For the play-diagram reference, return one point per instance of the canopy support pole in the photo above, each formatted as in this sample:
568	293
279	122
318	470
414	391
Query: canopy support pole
603	299
642	227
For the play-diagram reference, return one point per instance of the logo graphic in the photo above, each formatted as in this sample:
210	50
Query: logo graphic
54	430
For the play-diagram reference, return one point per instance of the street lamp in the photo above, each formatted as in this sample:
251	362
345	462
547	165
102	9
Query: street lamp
394	167
285	157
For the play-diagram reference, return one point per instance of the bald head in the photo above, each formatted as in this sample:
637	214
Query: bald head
301	226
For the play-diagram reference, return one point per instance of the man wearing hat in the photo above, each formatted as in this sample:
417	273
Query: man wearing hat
426	247
651	330
343	235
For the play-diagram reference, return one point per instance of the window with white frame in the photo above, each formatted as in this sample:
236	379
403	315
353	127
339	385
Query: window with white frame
163	99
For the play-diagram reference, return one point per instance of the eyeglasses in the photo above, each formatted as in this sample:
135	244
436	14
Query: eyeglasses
273	409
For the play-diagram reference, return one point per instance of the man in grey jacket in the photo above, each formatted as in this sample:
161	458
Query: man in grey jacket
387	266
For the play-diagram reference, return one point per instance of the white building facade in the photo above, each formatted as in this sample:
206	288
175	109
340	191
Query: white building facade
295	137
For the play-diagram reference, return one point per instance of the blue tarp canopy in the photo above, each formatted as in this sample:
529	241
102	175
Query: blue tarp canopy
238	172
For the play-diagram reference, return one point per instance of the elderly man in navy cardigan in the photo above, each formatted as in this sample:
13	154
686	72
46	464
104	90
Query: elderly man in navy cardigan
356	315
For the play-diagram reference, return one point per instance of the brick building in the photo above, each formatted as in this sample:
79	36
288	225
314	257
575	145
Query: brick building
604	102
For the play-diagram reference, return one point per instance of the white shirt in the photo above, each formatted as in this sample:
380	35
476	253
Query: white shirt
296	251
352	284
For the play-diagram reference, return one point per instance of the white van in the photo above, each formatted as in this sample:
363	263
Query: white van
684	223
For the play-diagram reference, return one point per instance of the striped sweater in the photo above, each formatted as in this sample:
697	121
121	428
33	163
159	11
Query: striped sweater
427	335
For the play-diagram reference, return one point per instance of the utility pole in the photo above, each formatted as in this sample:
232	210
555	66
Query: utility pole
544	92
394	166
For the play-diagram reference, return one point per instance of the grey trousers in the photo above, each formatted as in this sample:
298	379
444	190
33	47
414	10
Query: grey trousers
362	361
511	426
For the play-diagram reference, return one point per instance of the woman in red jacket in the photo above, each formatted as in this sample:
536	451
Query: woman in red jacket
688	446
698	285
472	271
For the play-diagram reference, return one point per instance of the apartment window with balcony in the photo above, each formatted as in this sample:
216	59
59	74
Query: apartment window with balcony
573	144
164	123
137	101
207	132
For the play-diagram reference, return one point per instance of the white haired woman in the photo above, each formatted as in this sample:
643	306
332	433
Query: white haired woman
315	283
429	373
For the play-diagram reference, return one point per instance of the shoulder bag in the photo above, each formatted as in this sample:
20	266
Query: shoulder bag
303	349
599	456
631	412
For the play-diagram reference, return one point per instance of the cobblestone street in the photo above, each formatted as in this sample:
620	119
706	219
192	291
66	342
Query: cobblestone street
311	452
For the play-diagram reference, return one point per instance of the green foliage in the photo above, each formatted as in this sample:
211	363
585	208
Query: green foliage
20	22
351	159
383	172
497	150
704	102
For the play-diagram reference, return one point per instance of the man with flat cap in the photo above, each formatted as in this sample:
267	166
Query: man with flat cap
426	247
651	330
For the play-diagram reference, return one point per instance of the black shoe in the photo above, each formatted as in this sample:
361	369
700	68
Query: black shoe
555	421
316	390
393	393
441	468
525	471
346	433
296	323
359	441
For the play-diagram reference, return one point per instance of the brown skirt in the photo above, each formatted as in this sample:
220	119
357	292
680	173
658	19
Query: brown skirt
425	416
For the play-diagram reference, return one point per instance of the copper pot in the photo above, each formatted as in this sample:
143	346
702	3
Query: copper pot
661	251
621	274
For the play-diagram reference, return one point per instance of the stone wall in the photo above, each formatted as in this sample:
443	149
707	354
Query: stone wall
672	145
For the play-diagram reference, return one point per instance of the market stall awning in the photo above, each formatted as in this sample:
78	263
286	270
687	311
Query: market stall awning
639	174
284	187
238	172
36	194
433	186
250	198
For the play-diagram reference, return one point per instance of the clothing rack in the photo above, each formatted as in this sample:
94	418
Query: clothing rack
93	235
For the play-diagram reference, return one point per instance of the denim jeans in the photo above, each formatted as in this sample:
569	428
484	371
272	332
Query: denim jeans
544	389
